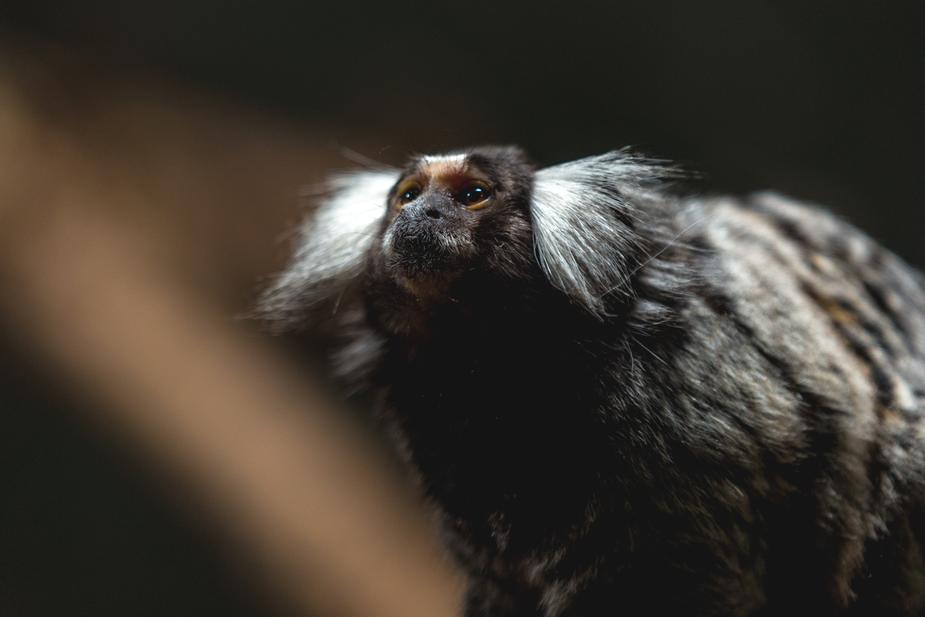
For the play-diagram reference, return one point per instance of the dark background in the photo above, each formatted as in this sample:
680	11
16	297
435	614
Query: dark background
821	100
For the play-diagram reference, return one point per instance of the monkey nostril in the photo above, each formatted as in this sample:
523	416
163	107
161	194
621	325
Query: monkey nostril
432	213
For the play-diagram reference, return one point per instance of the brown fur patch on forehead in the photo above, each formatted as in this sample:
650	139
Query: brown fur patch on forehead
442	165
450	171
504	168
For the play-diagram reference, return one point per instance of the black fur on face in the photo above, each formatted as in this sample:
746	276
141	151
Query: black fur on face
456	214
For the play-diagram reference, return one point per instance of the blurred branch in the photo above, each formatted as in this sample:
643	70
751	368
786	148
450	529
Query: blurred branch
247	435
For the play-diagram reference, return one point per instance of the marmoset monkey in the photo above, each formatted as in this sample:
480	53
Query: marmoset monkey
627	402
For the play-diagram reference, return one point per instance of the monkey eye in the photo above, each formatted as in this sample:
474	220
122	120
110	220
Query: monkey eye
473	194
409	194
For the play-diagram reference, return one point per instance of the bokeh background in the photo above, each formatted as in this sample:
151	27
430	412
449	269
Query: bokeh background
194	126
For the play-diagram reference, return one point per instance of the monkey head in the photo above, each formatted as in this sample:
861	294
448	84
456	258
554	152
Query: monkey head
456	228
454	214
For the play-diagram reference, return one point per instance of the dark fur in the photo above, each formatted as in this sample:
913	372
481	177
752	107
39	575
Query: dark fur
739	432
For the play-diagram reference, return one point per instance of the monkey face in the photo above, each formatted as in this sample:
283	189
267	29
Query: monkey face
452	214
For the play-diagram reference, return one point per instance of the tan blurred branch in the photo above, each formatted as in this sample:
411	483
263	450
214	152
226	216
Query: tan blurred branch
246	434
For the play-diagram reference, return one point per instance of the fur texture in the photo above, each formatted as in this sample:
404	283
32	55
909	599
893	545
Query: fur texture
627	402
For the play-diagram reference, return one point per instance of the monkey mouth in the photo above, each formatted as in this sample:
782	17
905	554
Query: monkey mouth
425	261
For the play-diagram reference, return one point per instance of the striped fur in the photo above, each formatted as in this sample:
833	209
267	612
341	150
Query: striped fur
633	403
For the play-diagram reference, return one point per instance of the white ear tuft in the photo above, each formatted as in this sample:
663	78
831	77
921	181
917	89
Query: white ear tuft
583	227
333	244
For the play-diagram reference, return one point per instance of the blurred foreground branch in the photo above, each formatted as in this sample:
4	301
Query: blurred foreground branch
248	436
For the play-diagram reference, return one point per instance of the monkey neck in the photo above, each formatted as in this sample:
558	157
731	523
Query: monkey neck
496	399
507	400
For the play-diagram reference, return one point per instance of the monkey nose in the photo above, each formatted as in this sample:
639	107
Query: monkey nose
432	209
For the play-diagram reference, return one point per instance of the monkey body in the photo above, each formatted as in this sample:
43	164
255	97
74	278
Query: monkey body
625	402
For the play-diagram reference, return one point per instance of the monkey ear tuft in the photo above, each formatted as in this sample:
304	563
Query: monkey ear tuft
586	229
332	246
